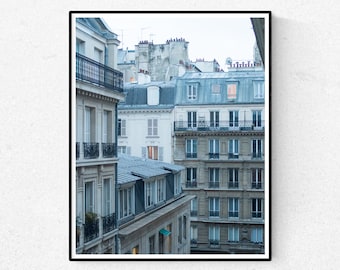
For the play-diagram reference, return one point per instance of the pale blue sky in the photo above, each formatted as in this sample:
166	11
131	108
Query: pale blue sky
210	36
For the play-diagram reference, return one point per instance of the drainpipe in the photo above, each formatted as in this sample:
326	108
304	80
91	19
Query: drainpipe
116	176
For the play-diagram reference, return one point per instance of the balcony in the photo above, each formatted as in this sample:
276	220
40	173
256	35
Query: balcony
220	126
214	213
214	184
191	155
97	73
77	150
109	150
214	243
233	155
109	223
91	150
193	213
256	214
256	185
257	155
191	184
214	155
232	185
91	230
233	214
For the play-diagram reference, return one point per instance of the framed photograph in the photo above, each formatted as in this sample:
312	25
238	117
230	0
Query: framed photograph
170	135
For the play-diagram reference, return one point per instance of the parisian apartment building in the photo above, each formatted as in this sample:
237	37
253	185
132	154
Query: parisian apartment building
212	123
123	204
99	88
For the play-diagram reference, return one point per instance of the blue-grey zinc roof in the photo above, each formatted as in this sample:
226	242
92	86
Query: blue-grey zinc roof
133	168
136	94
243	78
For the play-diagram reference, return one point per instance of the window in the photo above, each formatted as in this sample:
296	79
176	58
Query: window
135	250
256	178
214	149
89	197
257	148
214	119
107	127
153	95
232	91
152	127
214	207
191	148
193	207
216	89
233	119
184	227
177	184
191	177
233	234
149	194
256	208
89	125
122	149
180	230
214	235
192	91
80	46
257	121
233	149
233	178
121	127
126	202
233	206
153	152
257	235
192	119
258	89
107	196
160	184
152	245
214	177
154	192
193	234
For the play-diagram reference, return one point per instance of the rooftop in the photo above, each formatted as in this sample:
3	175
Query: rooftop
131	168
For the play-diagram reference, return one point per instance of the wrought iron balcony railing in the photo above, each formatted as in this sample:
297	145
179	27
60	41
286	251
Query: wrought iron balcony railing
109	223
247	125
193	213
233	214
255	185
214	184
233	155
214	242
77	150
191	155
214	213
109	150
214	155
91	230
97	73
91	150
256	214
232	184
191	184
257	155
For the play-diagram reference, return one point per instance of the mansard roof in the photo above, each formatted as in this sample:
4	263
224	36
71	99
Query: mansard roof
99	26
131	168
136	95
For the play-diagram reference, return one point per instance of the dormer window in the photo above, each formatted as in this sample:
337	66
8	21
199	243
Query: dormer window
232	91
153	95
192	91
